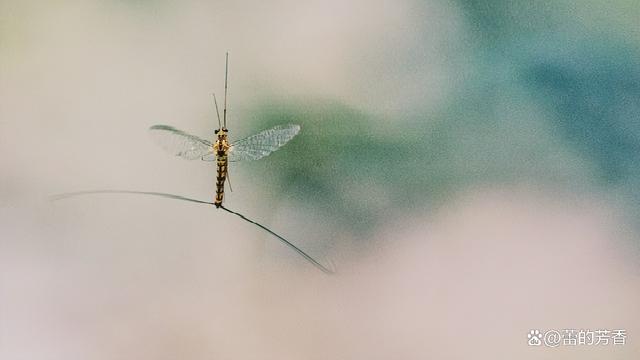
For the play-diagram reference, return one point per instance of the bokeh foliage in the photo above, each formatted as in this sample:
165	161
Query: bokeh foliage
555	109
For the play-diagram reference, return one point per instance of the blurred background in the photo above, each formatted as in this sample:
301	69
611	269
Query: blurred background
470	168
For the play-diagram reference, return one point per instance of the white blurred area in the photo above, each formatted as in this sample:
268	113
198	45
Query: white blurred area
122	277
469	280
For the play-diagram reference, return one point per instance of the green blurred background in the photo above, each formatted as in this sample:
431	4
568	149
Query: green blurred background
544	94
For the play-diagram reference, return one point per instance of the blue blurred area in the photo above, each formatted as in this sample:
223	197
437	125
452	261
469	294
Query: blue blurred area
594	92
581	61
543	102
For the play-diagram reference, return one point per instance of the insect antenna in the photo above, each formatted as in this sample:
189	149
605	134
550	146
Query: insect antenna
217	112
226	73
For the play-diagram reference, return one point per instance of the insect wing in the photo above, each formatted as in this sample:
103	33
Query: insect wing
179	143
263	143
209	157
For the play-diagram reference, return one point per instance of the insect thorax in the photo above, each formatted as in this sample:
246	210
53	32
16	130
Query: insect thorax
221	145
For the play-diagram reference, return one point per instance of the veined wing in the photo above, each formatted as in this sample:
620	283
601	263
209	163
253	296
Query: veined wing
263	143
179	143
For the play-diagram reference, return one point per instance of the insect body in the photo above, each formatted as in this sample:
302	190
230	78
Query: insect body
220	148
191	147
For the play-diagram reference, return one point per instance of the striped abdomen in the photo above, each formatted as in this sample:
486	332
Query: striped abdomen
220	178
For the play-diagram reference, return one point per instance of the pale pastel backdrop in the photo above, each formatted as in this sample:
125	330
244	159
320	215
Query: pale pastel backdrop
468	169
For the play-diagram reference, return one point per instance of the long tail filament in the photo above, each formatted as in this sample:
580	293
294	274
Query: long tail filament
178	197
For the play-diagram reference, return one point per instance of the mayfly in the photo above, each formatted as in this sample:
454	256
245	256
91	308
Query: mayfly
222	151
191	147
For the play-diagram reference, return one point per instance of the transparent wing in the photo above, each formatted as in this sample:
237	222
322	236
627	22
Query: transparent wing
209	157
179	143
263	143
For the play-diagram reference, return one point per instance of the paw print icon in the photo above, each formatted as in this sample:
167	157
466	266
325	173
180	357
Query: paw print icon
534	337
